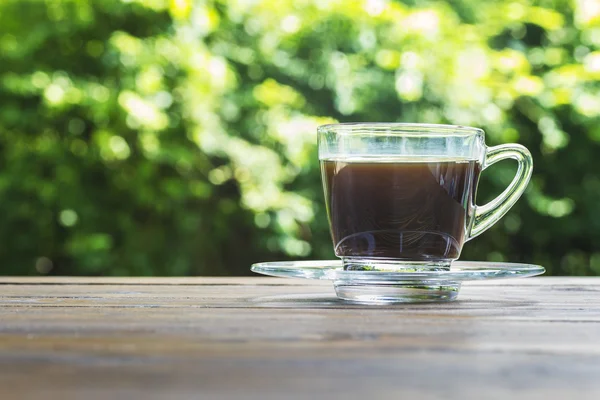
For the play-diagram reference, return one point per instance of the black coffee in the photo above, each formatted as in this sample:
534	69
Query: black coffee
416	211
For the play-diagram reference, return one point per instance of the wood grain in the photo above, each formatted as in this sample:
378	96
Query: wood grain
269	338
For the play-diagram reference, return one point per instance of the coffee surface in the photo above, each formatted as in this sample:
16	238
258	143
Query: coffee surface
416	211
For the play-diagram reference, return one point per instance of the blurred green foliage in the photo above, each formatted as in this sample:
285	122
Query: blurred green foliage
177	137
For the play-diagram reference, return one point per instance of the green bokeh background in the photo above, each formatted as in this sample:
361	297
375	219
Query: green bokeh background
178	137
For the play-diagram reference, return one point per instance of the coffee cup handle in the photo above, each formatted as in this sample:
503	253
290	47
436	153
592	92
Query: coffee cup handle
488	214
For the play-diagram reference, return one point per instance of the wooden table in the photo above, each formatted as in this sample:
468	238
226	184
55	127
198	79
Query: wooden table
269	338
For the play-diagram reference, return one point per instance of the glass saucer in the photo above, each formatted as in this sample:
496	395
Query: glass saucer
397	287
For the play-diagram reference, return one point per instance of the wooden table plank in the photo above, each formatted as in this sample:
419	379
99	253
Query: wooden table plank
265	338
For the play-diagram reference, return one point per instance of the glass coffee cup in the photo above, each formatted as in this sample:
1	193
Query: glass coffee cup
401	197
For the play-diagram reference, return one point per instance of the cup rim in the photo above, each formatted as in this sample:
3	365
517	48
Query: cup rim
399	128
